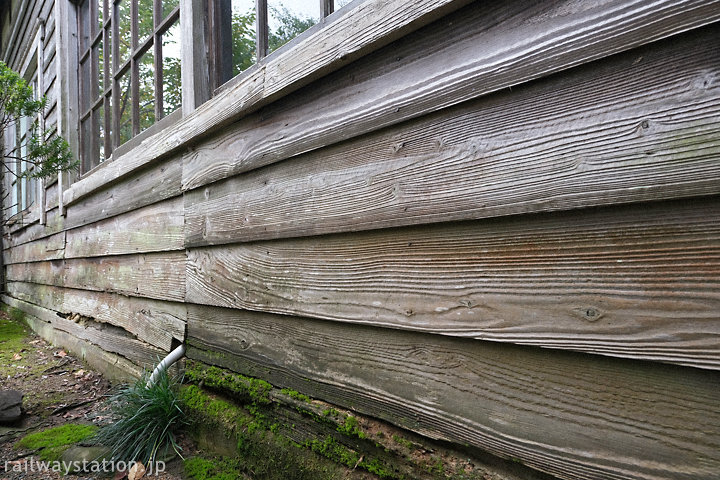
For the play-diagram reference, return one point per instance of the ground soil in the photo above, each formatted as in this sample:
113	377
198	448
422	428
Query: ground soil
58	388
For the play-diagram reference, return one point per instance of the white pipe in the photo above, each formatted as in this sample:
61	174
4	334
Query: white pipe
171	358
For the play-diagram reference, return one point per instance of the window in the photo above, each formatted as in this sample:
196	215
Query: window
245	30
129	70
21	189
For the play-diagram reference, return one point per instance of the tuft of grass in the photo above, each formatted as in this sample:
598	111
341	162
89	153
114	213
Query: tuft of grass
148	419
51	443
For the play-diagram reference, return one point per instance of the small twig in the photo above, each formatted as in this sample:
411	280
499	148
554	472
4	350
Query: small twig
71	406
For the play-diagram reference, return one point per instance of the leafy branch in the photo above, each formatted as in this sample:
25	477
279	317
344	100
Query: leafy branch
17	102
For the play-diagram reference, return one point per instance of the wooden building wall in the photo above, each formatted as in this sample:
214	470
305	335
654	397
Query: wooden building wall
498	226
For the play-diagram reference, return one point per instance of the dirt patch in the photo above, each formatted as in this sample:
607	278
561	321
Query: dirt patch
58	389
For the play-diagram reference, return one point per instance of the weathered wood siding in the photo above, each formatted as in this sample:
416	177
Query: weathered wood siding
498	225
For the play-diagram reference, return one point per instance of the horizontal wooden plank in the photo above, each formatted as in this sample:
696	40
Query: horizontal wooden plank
145	187
112	366
48	248
55	224
155	228
154	275
437	68
531	50
390	19
572	415
152	321
113	340
510	153
638	281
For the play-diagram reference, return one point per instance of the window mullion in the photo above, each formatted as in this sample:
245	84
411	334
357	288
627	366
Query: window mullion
158	59
261	28
107	116
326	7
134	75
115	77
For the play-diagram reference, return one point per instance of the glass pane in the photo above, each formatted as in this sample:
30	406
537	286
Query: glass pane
98	59
289	18
243	35
99	120
86	82
108	52
108	122
100	14
168	6
146	70
125	116
85	141
145	19
124	30
172	92
32	189
23	190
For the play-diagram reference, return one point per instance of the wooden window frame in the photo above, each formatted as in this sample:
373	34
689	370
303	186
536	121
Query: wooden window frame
113	73
220	42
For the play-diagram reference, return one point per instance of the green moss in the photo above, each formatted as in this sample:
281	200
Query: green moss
343	455
221	412
251	389
52	442
351	427
217	469
12	340
404	442
296	395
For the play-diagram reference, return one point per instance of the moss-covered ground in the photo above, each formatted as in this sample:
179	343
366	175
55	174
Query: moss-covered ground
51	443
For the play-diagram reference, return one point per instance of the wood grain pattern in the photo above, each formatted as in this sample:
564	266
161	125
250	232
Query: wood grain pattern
624	25
159	182
114	367
54	224
436	68
154	322
572	415
249	94
155	228
641	126
48	248
154	275
638	281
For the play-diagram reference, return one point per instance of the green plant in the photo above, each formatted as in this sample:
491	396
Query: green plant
52	442
148	419
18	101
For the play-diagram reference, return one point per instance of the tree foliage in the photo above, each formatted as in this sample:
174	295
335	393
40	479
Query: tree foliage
16	102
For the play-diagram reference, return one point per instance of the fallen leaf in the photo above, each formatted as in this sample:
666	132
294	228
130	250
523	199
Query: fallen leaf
136	472
79	373
61	354
17	356
120	474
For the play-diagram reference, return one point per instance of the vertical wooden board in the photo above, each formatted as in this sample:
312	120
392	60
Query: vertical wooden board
155	228
154	275
513	152
573	415
145	187
637	281
48	248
